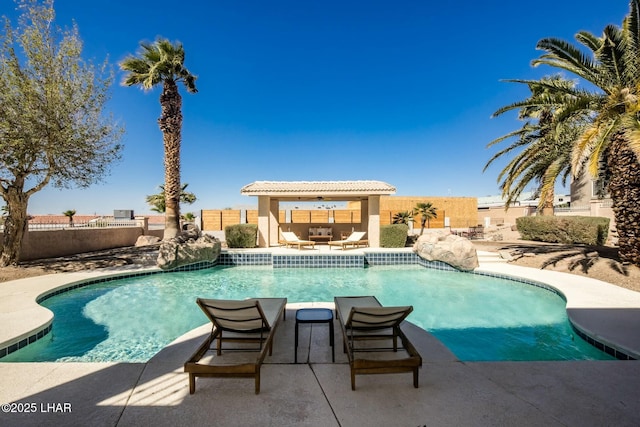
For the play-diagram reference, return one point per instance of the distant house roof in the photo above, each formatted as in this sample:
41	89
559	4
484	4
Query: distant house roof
62	219
59	219
526	198
300	190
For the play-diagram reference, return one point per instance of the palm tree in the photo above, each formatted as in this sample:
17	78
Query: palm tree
157	201
163	62
70	213
545	142
612	135
403	217
188	217
426	211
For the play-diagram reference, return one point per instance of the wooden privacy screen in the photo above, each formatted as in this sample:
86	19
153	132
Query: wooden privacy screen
322	216
346	216
461	211
217	220
252	217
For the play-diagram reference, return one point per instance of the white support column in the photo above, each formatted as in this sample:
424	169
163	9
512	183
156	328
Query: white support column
364	216
374	221
274	221
264	203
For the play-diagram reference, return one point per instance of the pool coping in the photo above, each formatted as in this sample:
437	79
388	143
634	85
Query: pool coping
603	314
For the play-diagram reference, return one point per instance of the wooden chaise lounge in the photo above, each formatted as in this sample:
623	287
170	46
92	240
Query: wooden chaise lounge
244	322
355	240
363	321
289	239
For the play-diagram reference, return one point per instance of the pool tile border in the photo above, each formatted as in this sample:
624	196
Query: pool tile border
240	258
611	351
26	341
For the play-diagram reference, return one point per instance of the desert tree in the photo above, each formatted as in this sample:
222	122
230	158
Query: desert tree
427	212
189	217
70	214
162	63
541	148
404	217
157	201
53	129
609	143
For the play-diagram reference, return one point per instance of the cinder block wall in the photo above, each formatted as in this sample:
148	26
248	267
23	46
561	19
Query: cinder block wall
57	243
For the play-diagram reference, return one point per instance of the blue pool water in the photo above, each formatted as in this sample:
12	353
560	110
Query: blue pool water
476	317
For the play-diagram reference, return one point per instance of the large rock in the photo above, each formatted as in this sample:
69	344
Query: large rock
454	250
185	250
147	240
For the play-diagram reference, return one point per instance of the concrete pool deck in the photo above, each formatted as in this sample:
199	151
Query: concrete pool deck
318	393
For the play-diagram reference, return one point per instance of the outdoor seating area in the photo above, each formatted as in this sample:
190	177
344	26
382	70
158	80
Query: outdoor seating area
476	232
251	325
472	233
321	234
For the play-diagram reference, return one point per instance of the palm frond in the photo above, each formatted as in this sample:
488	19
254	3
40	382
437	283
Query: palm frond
157	62
632	130
612	57
590	40
561	54
583	148
631	29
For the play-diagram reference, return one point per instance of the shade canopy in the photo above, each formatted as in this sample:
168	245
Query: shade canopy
271	193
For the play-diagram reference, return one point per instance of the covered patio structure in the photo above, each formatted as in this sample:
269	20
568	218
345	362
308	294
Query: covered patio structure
271	193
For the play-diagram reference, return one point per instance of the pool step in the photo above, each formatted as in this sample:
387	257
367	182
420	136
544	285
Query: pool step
493	257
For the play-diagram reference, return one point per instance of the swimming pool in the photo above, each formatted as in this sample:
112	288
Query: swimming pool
477	317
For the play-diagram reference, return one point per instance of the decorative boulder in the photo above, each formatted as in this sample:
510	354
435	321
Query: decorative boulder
147	240
184	250
454	250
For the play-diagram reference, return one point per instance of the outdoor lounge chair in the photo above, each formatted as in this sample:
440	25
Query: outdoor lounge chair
289	239
354	240
363	320
250	323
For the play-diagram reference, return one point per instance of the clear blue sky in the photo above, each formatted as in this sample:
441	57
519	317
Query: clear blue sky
396	91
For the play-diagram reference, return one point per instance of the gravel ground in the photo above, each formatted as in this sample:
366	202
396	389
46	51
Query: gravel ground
596	262
143	255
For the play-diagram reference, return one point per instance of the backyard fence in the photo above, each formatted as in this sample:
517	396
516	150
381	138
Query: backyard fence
93	223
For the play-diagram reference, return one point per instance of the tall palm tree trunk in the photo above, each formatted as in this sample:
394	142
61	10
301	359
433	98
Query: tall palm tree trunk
624	188
546	118
549	198
171	125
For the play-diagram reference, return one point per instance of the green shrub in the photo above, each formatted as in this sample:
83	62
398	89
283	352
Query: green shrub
241	235
583	230
393	236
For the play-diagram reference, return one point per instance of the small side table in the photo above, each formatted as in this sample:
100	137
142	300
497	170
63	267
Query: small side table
315	315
